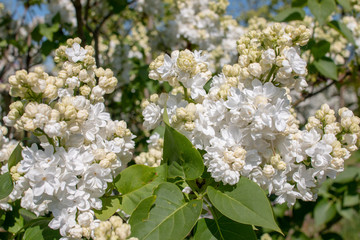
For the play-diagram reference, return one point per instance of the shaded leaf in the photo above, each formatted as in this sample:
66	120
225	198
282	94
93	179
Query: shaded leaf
39	230
320	49
6	185
27	215
15	156
324	211
298	3
326	67
245	203
290	14
181	157
343	30
227	229
322	10
348	175
117	5
166	216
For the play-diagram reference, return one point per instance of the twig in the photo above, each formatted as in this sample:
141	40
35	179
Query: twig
320	90
80	30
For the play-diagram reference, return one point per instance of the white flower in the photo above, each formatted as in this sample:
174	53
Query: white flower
76	53
43	181
268	56
297	64
152	116
85	219
196	85
72	82
52	129
255	69
96	179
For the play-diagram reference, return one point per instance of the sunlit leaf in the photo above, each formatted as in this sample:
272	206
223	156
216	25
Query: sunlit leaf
165	216
245	203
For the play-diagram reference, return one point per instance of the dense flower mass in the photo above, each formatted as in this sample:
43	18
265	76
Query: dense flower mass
7	146
82	149
246	123
240	106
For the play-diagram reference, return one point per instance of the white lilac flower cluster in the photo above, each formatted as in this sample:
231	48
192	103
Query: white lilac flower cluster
82	149
114	229
246	124
205	24
154	155
183	68
7	146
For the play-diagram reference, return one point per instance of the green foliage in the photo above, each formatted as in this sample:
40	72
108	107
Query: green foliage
322	10
15	156
6	185
290	14
342	29
324	211
326	67
109	207
39	230
166	215
48	30
222	228
245	203
345	4
335	214
117	5
181	157
320	49
136	183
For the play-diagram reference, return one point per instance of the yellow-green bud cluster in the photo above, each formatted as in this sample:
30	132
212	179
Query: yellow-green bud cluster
113	229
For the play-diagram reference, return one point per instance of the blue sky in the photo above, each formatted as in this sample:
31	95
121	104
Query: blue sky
18	8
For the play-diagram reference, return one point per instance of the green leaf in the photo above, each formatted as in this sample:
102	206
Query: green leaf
13	220
322	10
166	216
299	236
181	156
48	31
298	3
47	47
27	215
348	213
343	30
35	34
348	175
351	195
326	67
109	206
290	14
166	117
15	156
225	228
320	49
245	203
136	183
117	5
324	211
345	4
6	185
39	230
331	236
